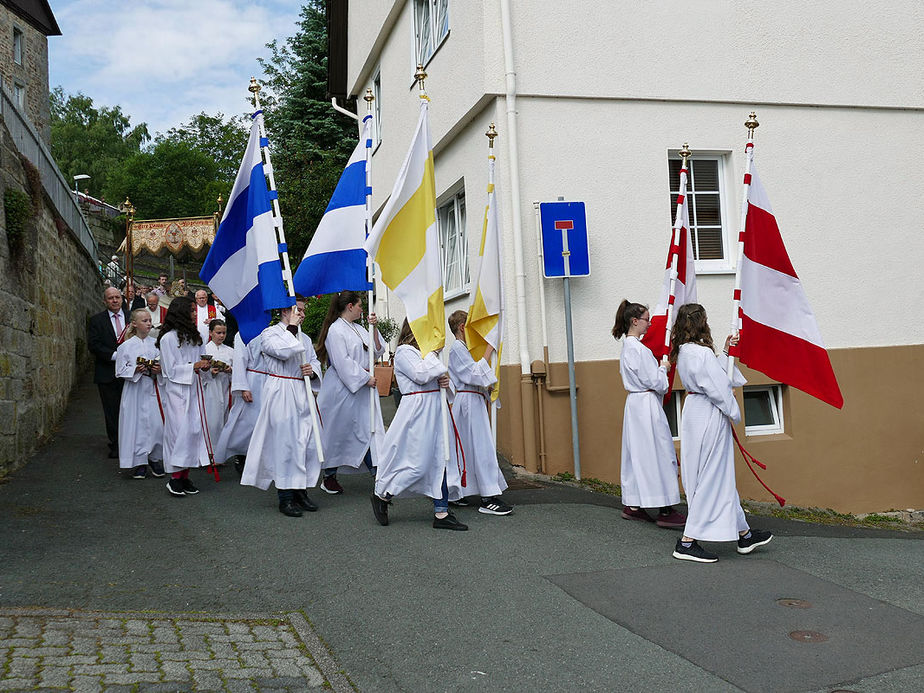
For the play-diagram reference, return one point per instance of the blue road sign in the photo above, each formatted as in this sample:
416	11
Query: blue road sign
565	251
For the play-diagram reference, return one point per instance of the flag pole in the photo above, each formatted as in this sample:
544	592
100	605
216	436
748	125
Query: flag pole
491	134
751	124
254	89
369	98
685	154
420	76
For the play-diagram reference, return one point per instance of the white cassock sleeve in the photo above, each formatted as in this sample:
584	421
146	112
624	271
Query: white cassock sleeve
172	365
641	362
420	370
712	381
466	370
351	374
126	362
312	358
378	350
281	344
240	362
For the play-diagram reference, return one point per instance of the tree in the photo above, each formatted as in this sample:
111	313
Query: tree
92	141
310	143
223	140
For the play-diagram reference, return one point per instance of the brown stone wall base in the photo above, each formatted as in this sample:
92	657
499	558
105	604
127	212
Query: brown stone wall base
866	457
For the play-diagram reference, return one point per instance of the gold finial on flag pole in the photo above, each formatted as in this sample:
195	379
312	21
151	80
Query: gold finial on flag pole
685	153
751	124
254	86
369	98
491	134
420	76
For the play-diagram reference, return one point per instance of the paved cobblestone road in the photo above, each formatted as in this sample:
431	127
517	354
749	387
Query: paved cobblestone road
49	650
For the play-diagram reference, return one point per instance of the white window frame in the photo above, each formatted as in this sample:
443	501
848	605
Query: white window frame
19	45
726	264
377	109
421	54
453	197
775	393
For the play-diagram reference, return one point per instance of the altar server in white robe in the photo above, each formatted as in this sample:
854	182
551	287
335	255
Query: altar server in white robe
283	450
247	377
217	381
648	474
412	459
180	361
706	445
141	428
349	440
472	382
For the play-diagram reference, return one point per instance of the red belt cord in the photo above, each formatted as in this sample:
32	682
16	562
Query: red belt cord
455	431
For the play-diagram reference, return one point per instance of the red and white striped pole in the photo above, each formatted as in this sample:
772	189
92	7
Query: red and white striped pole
676	238
751	124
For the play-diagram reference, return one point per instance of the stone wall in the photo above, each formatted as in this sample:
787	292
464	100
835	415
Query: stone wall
32	74
49	286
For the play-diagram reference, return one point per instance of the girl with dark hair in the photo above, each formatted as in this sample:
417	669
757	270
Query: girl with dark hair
648	474
344	399
217	381
184	437
713	507
412	459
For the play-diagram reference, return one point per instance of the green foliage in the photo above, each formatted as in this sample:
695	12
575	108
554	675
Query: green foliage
388	328
310	142
315	312
223	140
17	208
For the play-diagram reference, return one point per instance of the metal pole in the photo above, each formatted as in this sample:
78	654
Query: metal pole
685	154
569	337
369	98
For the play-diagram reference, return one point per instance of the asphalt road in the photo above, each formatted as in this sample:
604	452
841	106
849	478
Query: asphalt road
561	595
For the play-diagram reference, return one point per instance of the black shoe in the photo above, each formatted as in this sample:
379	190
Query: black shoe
461	503
188	488
175	486
303	501
494	506
289	508
239	464
380	509
140	472
758	537
449	522
694	552
157	468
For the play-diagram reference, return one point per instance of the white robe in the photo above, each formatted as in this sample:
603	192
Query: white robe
344	399
649	463
706	445
245	377
470	412
217	392
184	440
412	459
141	428
282	449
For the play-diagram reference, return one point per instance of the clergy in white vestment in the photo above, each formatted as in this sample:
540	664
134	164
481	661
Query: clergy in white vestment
217	382
412	458
348	435
181	363
156	311
648	469
714	510
472	381
205	313
141	426
247	377
282	449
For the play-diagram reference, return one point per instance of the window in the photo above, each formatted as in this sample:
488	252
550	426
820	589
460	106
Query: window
763	409
454	249
17	46
377	109
19	93
431	26
705	194
672	409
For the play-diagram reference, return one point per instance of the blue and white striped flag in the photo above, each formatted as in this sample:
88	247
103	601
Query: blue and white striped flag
243	266
335	259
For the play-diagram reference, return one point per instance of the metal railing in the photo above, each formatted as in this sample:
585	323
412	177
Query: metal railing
33	148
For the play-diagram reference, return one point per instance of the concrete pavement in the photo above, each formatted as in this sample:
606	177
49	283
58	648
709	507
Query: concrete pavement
561	595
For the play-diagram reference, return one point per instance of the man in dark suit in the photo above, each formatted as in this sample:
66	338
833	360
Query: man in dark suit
105	333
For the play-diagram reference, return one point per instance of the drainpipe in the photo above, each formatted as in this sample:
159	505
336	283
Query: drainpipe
526	384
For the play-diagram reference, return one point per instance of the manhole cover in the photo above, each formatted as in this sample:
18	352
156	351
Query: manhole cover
808	636
794	603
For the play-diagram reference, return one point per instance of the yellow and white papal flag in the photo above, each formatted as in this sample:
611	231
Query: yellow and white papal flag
485	323
405	243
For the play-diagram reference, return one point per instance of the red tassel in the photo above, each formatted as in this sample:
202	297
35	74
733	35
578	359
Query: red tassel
748	458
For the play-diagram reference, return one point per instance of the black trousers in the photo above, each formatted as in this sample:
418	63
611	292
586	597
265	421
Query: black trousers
110	394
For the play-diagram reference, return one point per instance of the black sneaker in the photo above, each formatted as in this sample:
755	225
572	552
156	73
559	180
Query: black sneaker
175	486
380	509
758	537
140	472
461	503
449	522
494	506
694	552
303	501
189	488
239	464
289	508
157	468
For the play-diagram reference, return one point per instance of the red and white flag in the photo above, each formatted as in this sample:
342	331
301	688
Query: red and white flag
683	289
779	335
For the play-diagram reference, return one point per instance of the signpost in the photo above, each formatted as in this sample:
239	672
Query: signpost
566	254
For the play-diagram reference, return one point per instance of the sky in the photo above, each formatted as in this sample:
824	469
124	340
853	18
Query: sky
164	61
